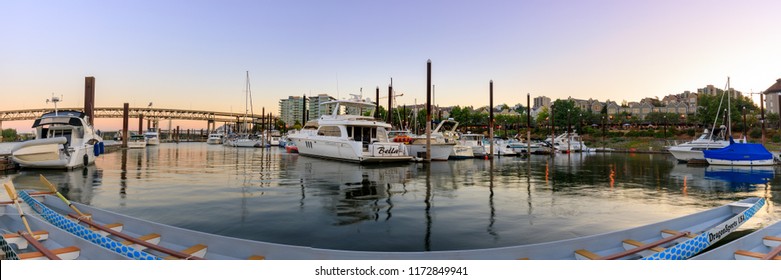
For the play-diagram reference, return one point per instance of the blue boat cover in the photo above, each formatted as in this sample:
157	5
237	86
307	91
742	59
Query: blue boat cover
739	152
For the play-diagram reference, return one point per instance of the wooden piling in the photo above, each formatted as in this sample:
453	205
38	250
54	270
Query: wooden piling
428	111
491	117
528	126
89	99
377	104
390	103
125	113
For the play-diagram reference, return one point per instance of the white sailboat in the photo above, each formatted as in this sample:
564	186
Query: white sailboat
714	139
245	139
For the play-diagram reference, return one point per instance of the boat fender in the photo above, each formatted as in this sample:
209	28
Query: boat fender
102	148
96	149
86	160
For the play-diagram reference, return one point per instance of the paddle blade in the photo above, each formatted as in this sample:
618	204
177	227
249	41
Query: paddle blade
9	188
48	184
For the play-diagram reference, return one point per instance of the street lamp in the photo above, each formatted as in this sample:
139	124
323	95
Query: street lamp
665	127
745	128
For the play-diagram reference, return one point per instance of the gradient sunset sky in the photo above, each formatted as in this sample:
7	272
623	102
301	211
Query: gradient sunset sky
193	54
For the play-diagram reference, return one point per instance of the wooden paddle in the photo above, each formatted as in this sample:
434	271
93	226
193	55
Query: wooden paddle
9	188
54	190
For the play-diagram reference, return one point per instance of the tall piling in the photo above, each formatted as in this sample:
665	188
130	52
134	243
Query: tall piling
125	113
428	111
528	126
303	113
390	103
89	99
377	103
491	117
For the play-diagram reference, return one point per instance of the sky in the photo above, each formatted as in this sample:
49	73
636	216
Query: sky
194	54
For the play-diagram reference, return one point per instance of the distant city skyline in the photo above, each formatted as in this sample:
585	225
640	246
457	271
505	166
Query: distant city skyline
194	54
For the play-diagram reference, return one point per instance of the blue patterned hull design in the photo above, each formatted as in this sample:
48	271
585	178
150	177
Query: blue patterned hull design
61	222
696	245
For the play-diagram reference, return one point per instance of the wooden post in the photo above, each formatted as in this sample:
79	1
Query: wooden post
125	110
428	111
390	103
552	130
491	117
303	113
377	104
762	115
528	125
89	99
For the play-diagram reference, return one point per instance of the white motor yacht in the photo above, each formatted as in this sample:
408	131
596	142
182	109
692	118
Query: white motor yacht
136	141
692	150
152	136
474	141
63	139
214	139
350	137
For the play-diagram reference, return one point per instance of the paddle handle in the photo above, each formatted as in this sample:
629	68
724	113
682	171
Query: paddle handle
9	188
54	190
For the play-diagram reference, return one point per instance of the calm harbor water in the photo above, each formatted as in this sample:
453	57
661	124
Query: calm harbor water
270	195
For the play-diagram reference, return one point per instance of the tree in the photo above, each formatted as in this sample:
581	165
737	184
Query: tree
9	135
565	111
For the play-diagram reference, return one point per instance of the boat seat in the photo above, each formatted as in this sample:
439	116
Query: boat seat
584	254
115	227
21	243
631	244
151	246
772	241
152	238
749	255
256	257
197	250
66	253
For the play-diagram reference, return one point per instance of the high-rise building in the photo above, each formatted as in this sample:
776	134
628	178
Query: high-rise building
291	110
315	110
541	101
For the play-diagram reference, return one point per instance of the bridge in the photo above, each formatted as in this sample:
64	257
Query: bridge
148	113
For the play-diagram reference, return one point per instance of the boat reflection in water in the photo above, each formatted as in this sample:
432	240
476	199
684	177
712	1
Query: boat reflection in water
76	185
741	177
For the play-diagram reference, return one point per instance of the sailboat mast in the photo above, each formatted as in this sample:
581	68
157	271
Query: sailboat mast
246	97
729	109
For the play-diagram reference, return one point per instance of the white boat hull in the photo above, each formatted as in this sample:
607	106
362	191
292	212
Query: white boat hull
153	141
438	151
351	151
764	162
50	153
461	152
136	144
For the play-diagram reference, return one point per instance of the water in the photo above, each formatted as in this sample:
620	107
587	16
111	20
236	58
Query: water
269	195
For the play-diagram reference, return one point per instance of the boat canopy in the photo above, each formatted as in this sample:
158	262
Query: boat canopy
739	152
61	117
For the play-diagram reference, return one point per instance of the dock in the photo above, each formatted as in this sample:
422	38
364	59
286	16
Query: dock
6	164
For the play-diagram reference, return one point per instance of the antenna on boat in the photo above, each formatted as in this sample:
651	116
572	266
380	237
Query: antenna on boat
54	100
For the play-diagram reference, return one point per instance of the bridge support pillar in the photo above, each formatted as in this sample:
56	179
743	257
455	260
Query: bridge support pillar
140	124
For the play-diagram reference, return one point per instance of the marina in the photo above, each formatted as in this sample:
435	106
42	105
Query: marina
273	196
